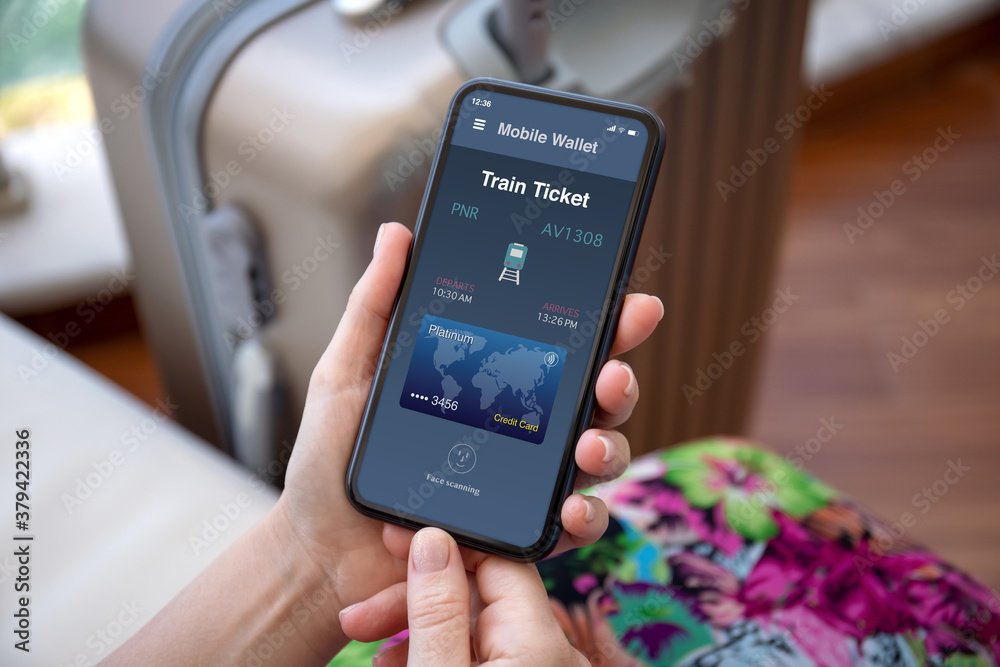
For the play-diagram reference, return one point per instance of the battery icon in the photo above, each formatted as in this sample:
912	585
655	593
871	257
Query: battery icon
632	133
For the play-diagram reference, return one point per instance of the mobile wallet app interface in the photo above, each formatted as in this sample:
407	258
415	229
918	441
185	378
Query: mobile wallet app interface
497	329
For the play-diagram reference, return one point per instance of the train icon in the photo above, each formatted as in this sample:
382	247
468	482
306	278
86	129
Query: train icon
513	263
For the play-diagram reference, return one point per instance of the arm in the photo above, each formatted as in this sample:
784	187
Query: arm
263	597
314	554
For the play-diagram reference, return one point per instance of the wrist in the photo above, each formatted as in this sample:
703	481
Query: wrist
309	600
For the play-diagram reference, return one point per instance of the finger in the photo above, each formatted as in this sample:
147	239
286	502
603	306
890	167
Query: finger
617	392
393	657
437	601
378	617
580	622
601	456
584	520
517	607
350	358
640	315
561	613
397	541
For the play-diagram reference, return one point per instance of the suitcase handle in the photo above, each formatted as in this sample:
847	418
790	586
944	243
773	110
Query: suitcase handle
520	28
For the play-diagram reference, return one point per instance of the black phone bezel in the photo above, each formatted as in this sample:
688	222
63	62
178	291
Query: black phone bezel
606	327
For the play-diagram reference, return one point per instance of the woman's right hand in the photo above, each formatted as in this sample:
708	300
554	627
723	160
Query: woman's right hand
504	617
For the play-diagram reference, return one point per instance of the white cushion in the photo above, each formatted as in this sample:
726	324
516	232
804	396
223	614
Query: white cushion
133	539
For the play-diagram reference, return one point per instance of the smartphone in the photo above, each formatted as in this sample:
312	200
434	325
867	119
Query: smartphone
507	311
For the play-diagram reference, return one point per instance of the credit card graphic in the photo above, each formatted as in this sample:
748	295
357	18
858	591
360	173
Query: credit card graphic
483	378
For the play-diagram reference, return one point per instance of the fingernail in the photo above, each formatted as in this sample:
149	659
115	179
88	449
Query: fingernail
632	384
378	237
663	310
377	659
609	448
347	610
430	550
591	512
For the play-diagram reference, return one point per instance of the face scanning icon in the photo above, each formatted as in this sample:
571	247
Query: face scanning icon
462	458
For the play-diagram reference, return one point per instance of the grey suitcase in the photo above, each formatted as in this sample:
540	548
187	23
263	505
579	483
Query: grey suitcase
275	135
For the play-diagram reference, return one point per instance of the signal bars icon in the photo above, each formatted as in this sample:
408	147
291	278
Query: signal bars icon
621	130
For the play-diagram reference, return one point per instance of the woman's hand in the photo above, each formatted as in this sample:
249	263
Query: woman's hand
322	525
274	596
504	617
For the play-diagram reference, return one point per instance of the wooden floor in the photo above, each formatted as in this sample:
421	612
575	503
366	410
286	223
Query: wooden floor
827	356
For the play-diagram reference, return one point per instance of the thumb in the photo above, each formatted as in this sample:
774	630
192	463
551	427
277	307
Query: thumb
437	601
350	359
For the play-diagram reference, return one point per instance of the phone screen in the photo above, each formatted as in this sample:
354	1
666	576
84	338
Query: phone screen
496	334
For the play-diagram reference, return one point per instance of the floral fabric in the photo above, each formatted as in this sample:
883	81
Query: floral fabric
721	554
